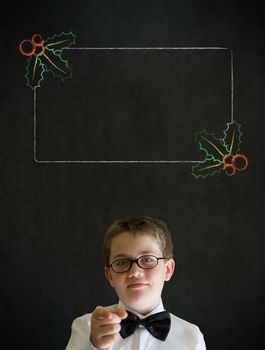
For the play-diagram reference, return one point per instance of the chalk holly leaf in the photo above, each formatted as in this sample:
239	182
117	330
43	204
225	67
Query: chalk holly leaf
207	168
58	42
34	72
55	64
210	145
232	138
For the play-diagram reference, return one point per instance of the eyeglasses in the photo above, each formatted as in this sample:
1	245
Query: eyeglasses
144	262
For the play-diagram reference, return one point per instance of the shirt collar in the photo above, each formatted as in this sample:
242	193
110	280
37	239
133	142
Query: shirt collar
159	308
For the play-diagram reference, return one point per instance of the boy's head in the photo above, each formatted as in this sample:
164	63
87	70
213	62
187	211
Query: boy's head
139	225
138	254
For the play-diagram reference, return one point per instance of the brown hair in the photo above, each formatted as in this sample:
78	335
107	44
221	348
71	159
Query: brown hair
142	225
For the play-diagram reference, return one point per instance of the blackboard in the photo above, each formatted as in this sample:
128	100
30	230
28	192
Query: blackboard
117	139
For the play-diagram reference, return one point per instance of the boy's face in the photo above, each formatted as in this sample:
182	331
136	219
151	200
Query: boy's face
139	289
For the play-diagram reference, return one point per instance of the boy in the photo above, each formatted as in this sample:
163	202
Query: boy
138	254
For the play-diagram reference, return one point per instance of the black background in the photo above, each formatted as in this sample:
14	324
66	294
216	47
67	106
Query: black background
54	215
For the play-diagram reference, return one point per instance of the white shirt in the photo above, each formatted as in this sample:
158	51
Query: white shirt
182	335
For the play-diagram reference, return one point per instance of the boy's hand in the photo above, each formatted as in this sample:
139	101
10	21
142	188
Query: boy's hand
105	326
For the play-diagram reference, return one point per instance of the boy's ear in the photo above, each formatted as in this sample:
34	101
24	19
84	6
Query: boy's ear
108	275
170	266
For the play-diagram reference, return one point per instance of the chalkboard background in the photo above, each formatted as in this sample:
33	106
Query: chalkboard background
54	215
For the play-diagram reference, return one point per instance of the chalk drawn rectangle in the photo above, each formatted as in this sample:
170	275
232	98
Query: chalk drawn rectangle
133	105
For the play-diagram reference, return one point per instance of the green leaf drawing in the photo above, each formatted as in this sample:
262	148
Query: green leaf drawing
34	72
55	64
232	138
208	168
210	145
58	42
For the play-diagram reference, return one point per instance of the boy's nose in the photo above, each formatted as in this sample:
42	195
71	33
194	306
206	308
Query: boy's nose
135	270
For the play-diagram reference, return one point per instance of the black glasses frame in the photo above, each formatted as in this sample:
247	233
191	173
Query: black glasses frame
131	261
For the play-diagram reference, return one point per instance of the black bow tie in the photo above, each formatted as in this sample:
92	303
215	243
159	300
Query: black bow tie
158	324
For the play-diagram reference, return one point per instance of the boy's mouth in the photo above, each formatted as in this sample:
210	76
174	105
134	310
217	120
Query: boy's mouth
137	285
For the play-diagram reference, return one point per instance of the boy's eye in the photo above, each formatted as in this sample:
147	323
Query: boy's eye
148	260
121	263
